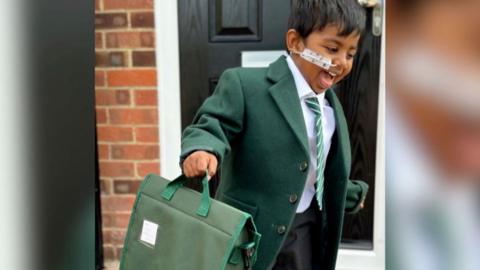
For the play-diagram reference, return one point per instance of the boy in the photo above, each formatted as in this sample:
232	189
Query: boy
272	129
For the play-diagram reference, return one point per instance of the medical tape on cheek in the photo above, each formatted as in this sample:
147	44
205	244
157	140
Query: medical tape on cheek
316	59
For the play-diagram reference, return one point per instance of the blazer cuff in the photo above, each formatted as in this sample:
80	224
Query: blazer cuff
356	194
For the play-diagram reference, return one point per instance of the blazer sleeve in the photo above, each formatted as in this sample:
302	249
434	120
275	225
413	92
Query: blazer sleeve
356	193
218	120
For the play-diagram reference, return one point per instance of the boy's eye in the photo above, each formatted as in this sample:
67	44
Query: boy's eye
350	56
332	49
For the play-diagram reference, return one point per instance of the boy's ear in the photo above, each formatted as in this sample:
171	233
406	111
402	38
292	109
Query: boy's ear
294	41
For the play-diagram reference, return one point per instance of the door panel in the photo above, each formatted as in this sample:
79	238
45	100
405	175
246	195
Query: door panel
234	21
213	33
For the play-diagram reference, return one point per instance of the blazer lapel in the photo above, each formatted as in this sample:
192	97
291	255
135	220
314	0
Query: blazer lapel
284	92
339	156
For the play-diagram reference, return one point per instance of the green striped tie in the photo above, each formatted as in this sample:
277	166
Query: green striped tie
312	104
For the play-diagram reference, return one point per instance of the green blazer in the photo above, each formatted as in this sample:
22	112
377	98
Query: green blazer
253	122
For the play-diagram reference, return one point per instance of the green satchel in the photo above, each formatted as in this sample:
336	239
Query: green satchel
174	227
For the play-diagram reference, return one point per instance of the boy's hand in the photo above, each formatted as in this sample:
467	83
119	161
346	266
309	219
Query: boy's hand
198	162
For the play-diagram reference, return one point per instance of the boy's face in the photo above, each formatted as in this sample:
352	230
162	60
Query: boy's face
327	42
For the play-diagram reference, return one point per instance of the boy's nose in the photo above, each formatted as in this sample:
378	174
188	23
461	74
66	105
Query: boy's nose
340	65
335	70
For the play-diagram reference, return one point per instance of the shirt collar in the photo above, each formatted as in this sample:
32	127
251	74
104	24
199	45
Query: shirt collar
304	90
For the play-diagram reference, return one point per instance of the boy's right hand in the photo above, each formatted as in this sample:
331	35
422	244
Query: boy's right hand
198	162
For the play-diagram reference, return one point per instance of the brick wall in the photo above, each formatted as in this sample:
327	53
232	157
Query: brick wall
126	105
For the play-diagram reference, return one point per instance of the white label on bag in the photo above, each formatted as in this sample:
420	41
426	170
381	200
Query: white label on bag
149	232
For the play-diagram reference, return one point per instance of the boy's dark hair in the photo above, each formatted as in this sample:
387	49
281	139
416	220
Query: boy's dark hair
307	16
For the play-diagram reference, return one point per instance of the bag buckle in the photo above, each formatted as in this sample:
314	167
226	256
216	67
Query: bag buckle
248	256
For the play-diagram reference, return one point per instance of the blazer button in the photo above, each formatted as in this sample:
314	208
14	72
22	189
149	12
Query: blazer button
303	166
281	229
293	198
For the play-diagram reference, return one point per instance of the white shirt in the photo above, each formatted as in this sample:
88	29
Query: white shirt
328	127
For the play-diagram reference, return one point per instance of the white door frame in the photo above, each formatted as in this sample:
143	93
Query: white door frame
169	109
168	86
373	259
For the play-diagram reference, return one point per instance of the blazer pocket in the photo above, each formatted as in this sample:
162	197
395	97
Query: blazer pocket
251	209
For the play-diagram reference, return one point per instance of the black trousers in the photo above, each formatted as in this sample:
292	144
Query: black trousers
302	249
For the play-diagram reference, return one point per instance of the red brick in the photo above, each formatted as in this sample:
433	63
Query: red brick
117	202
101	115
116	169
103	151
99	78
117	59
133	116
98	40
97	4
114	134
108	220
118	252
142	19
109	253
128	4
110	20
115	220
115	237
105	187
126	186
146	134
137	39
110	59
135	152
112	97
146	97
132	77
143	59
101	59
144	168
122	220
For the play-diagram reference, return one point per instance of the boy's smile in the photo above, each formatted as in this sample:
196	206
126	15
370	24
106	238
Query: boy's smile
327	42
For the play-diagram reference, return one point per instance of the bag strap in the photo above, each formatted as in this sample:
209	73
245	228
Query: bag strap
205	201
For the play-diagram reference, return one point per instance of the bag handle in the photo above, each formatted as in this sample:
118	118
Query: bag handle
205	201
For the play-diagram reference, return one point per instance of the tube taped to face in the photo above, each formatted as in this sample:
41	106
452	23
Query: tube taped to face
316	59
